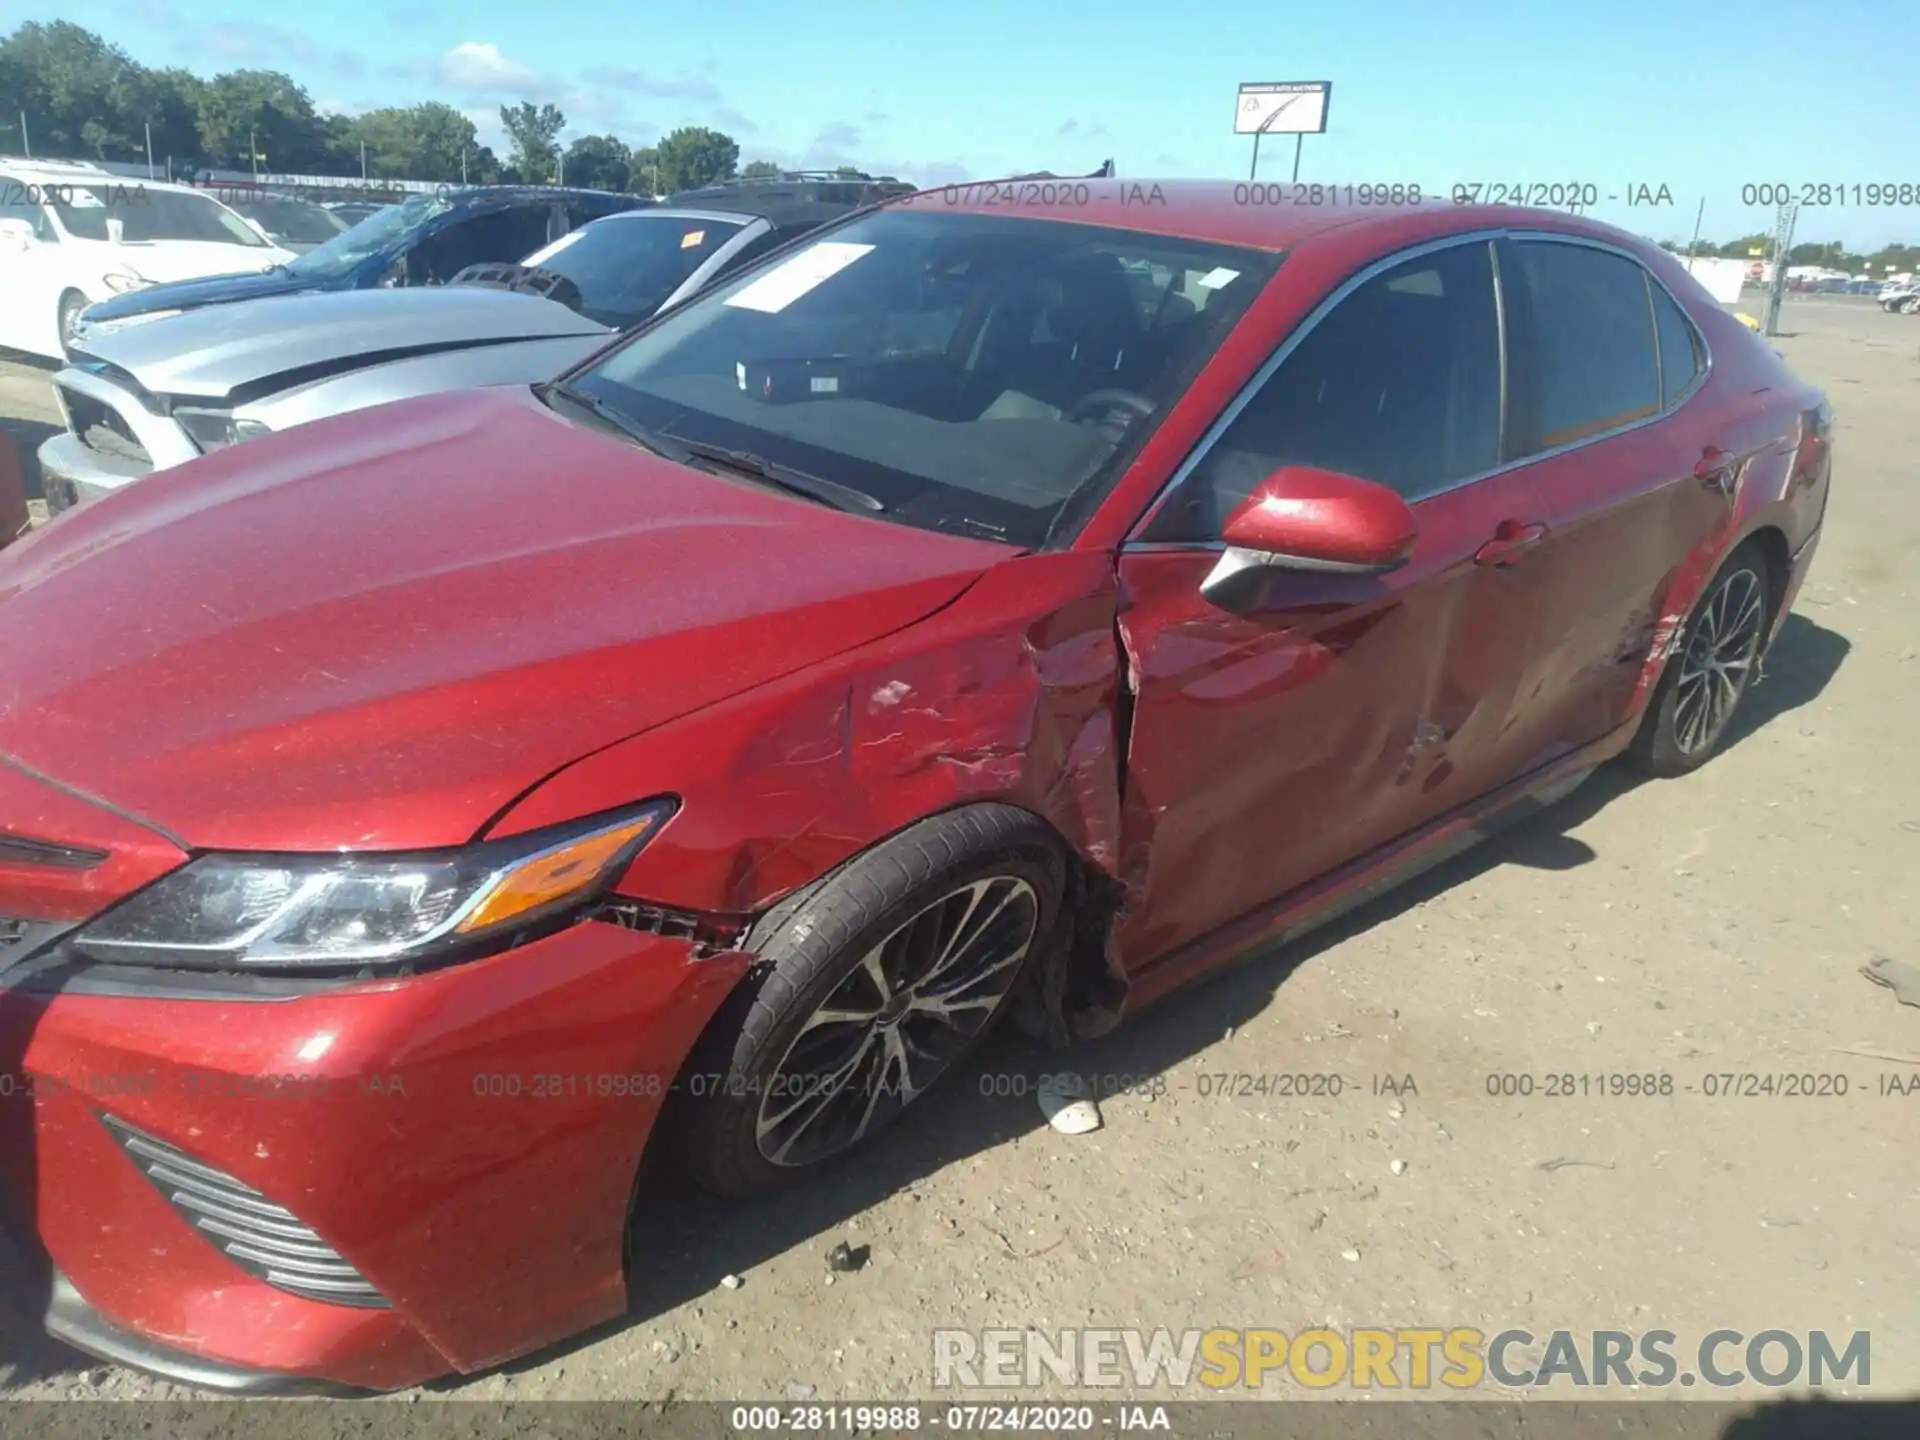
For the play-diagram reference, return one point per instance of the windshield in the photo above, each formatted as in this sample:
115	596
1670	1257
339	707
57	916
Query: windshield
626	266
148	215
293	220
971	372
387	229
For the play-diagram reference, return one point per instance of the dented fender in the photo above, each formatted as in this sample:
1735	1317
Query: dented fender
980	702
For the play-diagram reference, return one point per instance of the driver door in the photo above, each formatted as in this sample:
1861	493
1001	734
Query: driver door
1327	714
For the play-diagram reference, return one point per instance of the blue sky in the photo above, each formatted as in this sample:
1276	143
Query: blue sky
1701	96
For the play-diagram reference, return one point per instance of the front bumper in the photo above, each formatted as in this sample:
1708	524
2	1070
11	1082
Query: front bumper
75	471
466	1140
73	474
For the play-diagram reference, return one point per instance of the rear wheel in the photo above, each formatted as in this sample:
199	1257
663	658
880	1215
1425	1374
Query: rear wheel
1711	672
873	989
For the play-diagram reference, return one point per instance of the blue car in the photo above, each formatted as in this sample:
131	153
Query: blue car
425	240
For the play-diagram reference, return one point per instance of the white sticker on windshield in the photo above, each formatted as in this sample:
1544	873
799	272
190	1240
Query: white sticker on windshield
1215	279
547	252
787	282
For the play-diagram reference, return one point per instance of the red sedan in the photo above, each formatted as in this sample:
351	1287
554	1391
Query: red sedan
409	820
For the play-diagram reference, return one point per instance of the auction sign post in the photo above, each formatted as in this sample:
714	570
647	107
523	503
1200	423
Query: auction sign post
1294	107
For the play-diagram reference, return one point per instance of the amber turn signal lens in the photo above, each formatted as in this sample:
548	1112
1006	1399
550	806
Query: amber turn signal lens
553	875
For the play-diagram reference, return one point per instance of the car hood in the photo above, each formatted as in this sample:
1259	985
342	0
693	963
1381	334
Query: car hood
379	630
216	351
196	287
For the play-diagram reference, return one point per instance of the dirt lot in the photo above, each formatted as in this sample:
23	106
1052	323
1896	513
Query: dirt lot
1702	926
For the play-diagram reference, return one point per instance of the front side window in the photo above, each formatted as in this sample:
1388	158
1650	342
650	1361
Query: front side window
1399	383
623	268
149	215
1594	365
970	372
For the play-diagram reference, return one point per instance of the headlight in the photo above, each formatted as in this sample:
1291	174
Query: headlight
217	429
121	281
353	912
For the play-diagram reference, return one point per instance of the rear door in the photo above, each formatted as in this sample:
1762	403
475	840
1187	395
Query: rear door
1273	743
1621	471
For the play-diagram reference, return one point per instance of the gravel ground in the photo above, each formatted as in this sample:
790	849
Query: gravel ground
1693	927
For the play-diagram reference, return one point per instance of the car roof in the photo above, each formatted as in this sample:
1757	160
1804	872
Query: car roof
1255	215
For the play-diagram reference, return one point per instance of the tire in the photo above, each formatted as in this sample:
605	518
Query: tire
71	305
1711	671
775	1090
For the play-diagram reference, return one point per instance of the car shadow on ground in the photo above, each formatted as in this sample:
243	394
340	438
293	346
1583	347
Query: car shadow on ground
684	1244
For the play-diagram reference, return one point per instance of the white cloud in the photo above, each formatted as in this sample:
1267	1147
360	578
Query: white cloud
481	65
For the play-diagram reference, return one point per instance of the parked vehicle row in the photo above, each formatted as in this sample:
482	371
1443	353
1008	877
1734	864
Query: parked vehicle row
690	757
139	398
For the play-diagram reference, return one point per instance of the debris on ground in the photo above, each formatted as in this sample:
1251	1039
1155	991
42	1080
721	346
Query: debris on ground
1561	1162
1067	1102
1897	975
1398	1167
729	1282
1350	1255
846	1258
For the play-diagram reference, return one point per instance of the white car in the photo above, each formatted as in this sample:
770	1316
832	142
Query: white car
72	235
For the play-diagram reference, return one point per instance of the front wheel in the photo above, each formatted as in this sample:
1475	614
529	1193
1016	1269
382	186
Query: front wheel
1711	672
72	305
872	989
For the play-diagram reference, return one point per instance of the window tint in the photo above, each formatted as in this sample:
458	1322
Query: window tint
1399	383
1680	358
501	236
753	250
1594	365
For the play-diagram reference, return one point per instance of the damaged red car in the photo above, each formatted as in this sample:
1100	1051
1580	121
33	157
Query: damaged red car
410	821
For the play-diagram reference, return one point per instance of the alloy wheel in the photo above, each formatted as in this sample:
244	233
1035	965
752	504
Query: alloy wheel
1718	661
897	1020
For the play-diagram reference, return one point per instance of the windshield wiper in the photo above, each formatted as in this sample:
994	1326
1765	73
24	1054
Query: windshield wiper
798	482
608	415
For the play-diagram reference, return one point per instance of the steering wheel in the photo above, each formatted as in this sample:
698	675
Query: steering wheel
1110	402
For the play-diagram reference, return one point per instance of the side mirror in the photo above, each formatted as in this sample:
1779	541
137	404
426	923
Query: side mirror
116	231
16	234
1302	518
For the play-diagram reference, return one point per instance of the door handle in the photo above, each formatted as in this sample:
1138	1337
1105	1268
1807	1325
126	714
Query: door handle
1715	469
1509	543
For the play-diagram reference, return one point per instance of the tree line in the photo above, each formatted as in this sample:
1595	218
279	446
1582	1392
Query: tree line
66	92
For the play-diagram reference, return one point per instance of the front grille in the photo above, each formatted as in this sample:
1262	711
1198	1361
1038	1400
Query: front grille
264	1239
102	429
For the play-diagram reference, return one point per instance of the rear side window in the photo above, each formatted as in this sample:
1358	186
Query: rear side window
1398	383
1680	359
1595	364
